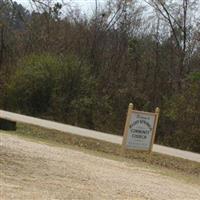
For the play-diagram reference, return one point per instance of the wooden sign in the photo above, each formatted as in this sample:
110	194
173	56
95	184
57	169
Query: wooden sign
140	129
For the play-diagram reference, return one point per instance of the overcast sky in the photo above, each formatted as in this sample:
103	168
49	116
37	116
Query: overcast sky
85	5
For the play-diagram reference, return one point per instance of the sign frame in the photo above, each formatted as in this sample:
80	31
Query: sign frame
126	129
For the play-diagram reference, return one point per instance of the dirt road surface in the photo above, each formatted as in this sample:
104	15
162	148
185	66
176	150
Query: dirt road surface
30	170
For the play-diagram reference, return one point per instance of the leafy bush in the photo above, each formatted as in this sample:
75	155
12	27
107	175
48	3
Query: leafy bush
30	88
182	114
52	86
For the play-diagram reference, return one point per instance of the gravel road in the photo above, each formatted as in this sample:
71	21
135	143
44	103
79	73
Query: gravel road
30	170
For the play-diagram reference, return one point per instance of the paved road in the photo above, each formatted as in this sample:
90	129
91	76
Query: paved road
93	134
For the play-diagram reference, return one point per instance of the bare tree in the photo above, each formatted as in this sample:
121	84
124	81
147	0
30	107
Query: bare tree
176	15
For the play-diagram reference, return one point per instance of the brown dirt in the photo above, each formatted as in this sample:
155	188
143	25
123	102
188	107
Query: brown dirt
30	170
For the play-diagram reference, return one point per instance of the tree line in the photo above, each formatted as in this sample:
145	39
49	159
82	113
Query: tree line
59	64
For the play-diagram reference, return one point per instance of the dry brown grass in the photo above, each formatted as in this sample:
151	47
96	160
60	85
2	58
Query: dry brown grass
60	138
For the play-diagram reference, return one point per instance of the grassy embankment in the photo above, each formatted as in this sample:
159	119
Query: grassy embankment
52	137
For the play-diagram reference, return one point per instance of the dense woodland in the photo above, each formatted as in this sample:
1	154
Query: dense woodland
84	69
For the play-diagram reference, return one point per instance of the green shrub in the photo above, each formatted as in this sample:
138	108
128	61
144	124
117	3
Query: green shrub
182	117
30	88
59	88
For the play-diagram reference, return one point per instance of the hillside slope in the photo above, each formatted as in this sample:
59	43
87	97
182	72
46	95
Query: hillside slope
32	170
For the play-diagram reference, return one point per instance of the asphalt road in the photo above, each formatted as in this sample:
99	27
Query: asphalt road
93	134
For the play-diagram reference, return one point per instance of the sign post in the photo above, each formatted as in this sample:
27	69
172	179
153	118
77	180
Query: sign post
140	129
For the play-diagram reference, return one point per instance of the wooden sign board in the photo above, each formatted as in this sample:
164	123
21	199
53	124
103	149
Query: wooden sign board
140	130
